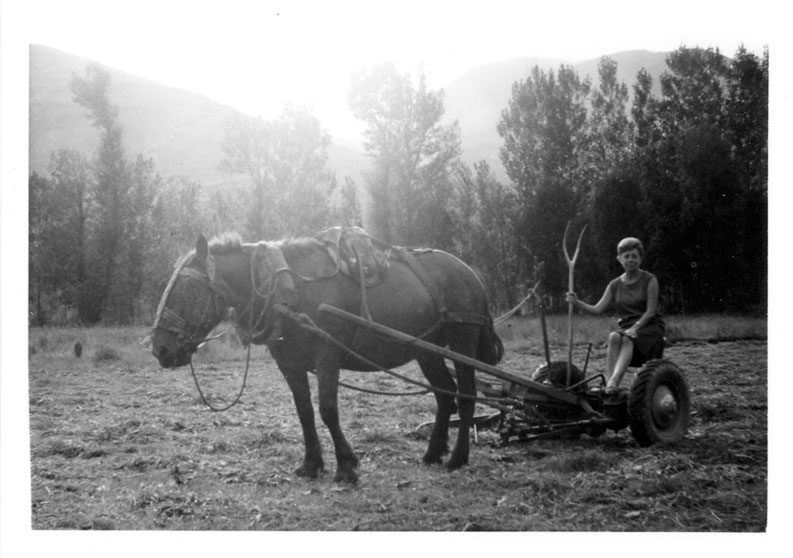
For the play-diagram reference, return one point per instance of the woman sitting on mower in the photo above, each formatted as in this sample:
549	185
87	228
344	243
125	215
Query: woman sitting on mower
640	336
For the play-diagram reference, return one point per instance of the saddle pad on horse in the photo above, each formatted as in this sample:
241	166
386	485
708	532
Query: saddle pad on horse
355	254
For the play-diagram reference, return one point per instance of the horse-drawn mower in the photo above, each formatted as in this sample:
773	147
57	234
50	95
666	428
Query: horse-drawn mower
428	306
656	406
560	400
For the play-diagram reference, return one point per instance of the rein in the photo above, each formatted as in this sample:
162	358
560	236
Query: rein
304	321
267	292
171	321
239	395
266	296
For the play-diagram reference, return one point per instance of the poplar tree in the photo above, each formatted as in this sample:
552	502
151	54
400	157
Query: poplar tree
111	183
414	156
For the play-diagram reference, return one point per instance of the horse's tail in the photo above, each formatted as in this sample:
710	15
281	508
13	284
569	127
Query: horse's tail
490	349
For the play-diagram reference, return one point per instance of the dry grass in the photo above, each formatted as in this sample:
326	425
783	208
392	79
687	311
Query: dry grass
123	444
526	332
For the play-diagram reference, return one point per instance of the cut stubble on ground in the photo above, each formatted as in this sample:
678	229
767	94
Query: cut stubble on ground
123	444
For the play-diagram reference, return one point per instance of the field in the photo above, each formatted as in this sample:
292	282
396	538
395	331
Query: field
118	443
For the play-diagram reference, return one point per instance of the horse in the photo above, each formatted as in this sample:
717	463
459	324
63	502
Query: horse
276	288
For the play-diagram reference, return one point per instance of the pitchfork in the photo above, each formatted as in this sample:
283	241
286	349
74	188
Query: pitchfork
570	267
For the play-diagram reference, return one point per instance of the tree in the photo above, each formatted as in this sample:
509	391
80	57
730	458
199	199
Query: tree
692	87
543	128
58	214
139	247
176	216
697	210
304	182
111	183
486	231
609	131
644	110
346	204
414	155
247	149
747	128
285	162
609	200
747	117
687	174
39	189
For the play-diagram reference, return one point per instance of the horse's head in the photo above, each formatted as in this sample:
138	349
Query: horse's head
191	306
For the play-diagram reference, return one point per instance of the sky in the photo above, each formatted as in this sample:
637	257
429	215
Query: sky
258	55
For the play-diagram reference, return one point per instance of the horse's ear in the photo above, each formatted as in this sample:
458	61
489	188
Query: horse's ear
202	247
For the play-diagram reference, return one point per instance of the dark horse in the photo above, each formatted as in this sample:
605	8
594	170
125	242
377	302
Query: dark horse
424	293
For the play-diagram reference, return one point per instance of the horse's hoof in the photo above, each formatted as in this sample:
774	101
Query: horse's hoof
352	461
346	476
432	460
309	471
456	463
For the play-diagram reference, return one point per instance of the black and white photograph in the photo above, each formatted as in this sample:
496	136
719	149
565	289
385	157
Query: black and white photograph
275	273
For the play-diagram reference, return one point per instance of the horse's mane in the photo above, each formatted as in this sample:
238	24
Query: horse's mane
226	243
231	243
305	246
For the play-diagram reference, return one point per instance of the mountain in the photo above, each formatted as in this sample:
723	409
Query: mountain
182	131
477	98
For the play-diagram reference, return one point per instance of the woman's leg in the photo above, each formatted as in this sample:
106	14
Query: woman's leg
623	359
613	351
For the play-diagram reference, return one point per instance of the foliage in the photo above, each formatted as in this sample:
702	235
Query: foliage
687	173
543	128
102	230
703	205
413	154
345	204
285	162
58	212
486	234
109	190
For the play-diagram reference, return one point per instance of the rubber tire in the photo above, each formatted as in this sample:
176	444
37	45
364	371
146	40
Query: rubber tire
555	374
646	429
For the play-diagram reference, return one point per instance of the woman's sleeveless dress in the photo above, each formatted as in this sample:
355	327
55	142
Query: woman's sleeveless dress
630	302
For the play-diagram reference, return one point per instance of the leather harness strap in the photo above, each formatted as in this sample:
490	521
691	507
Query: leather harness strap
418	270
436	294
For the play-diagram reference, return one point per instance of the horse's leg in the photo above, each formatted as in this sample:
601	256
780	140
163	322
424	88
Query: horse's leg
463	341
438	375
301	392
328	380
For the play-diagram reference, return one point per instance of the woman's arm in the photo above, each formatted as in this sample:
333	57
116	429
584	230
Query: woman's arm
598	308
652	308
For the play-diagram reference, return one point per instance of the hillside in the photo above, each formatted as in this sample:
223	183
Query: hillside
182	131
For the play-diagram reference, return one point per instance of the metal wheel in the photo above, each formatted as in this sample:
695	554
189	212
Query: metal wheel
555	374
659	404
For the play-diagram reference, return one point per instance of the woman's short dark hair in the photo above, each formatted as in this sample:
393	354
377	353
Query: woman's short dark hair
630	243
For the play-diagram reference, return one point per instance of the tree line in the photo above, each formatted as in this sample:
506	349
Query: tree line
686	172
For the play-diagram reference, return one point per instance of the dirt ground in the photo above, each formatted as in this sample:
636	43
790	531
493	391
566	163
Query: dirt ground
125	447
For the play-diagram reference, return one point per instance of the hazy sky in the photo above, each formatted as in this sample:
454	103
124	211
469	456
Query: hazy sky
257	55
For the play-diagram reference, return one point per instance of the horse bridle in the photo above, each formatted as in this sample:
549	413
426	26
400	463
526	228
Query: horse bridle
171	321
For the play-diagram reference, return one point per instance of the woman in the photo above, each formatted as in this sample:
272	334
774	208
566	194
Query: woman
641	326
